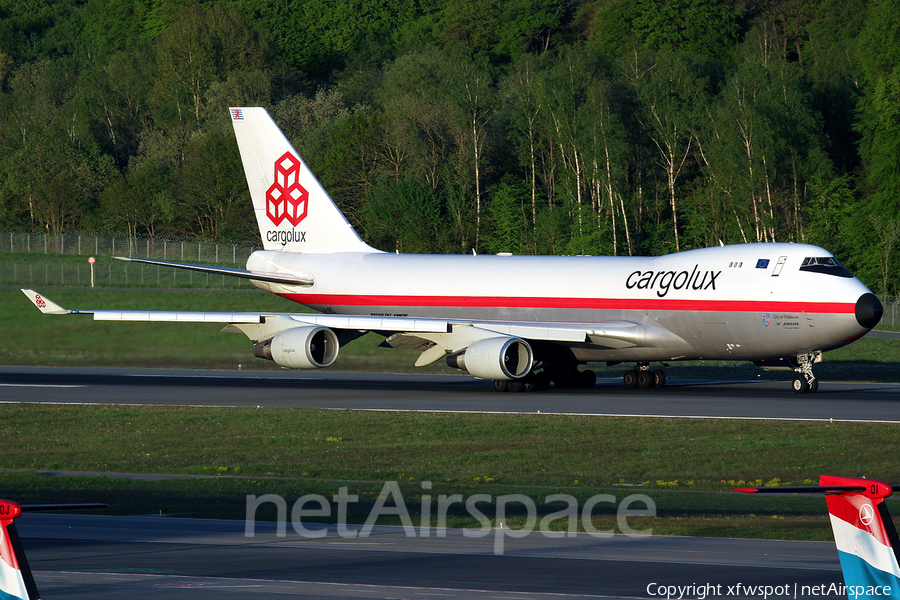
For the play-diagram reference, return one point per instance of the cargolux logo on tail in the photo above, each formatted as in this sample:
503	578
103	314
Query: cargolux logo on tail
286	198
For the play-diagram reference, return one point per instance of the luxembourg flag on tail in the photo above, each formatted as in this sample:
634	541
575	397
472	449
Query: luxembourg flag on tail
16	582
865	536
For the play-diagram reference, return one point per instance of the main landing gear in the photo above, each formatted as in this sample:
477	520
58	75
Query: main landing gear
557	375
805	381
642	377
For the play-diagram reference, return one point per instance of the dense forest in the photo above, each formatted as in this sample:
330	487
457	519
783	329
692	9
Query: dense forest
527	126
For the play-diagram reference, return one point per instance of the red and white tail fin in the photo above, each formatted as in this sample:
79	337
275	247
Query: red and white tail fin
16	581
293	210
865	536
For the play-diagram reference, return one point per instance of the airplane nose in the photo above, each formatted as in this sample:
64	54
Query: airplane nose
868	311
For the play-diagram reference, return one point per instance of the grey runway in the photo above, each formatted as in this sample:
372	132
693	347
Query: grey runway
104	557
373	391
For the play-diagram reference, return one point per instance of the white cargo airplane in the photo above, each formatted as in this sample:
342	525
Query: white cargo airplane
521	321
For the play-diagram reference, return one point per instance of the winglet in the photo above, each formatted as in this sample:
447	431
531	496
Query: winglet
16	580
864	533
44	304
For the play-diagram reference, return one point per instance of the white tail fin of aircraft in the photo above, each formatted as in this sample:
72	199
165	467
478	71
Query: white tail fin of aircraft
865	535
525	322
293	210
16	580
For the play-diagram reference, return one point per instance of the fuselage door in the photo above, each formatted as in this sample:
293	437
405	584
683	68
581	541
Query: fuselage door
779	266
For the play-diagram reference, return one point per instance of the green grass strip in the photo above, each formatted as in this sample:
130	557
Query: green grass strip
677	462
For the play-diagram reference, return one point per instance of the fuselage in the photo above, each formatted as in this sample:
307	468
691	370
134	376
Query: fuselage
739	302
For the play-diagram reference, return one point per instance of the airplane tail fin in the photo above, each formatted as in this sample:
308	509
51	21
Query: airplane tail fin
293	210
16	581
864	533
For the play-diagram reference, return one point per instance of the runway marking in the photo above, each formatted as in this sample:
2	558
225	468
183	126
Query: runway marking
456	412
41	385
625	415
317	588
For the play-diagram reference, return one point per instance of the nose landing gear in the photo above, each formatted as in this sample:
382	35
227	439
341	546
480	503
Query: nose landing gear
805	381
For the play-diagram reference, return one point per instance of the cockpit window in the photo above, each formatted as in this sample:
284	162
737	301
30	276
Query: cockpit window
825	264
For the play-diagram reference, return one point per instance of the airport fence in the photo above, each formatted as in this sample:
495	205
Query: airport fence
891	316
30	259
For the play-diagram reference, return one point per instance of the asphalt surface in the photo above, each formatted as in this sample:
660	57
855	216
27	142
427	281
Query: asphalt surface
100	557
370	391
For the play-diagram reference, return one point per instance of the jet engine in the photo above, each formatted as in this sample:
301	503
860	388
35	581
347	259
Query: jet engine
502	358
308	347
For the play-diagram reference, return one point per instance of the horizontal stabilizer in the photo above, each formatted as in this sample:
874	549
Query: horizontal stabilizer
52	507
804	489
282	278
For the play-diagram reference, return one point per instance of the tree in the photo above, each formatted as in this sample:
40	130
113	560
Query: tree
403	216
200	49
211	188
507	218
670	94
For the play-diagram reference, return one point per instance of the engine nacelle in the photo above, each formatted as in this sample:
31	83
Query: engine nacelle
502	358
308	347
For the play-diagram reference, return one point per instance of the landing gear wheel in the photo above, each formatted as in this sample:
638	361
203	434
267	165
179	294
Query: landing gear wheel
630	379
814	386
515	386
800	385
501	385
588	379
658	378
644	380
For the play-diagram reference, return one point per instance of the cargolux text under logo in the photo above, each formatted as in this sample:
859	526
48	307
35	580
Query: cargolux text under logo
286	198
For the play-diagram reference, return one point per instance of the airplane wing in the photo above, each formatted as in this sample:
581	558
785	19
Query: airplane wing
284	334
282	278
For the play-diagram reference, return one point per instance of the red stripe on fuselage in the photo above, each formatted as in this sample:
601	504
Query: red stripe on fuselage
767	306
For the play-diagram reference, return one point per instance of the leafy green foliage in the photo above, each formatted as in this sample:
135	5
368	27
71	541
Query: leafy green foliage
551	126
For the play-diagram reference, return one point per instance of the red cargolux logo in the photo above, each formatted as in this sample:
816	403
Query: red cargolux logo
39	301
287	199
